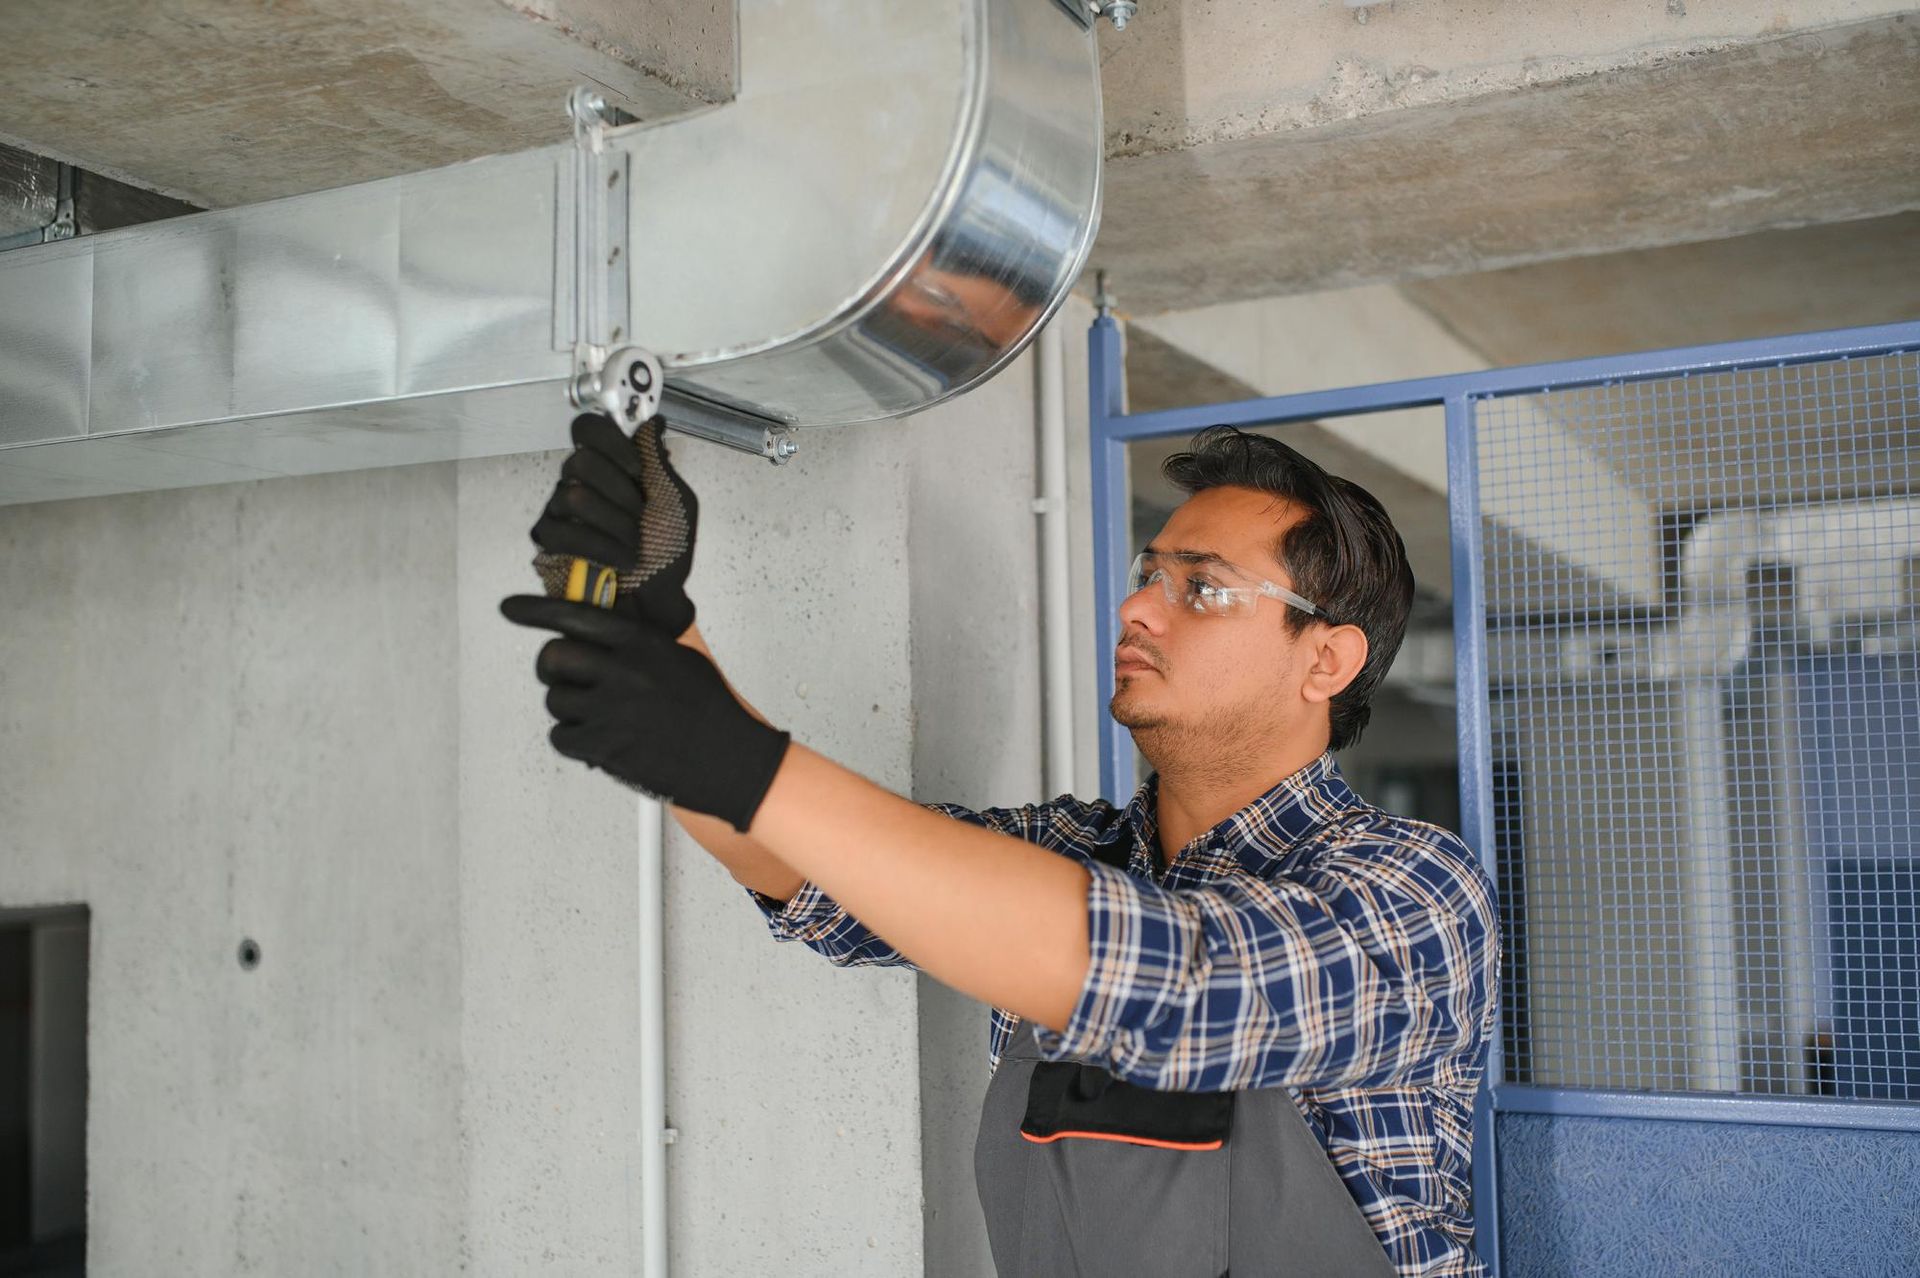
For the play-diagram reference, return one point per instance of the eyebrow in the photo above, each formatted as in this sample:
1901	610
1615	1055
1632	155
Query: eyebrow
1199	556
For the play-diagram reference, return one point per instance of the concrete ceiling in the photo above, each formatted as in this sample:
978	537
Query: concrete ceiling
1258	147
1812	127
1840	275
222	102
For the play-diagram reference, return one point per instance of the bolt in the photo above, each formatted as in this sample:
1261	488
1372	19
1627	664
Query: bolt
1120	12
787	447
584	105
1102	300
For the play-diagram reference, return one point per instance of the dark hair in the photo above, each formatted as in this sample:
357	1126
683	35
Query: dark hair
1345	555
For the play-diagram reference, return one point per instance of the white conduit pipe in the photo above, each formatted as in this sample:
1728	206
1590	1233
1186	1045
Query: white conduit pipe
654	1135
1056	612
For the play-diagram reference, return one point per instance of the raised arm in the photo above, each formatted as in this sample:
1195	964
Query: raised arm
986	912
745	857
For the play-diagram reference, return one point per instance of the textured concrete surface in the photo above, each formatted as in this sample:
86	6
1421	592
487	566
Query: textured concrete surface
1258	147
972	538
1358	336
779	1065
793	1082
1813	126
1804	280
229	712
1184	75
288	710
219	102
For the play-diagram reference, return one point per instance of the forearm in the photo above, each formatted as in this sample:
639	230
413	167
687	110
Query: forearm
750	863
989	914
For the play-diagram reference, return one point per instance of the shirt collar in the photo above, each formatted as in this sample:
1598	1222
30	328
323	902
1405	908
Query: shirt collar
1267	828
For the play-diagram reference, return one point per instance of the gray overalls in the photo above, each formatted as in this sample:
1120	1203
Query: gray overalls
1082	1174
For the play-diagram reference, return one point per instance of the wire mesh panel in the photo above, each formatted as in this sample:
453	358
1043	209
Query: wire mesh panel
1704	684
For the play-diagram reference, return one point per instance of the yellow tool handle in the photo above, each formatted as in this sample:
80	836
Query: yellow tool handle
588	582
626	387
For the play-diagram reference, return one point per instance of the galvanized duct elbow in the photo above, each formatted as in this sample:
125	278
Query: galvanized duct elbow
895	202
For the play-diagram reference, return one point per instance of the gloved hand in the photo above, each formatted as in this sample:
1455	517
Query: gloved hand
653	712
620	502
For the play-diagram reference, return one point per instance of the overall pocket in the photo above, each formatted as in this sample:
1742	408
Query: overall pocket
1124	1180
1070	1101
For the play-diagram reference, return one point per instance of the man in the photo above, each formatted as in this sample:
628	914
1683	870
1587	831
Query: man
1238	1023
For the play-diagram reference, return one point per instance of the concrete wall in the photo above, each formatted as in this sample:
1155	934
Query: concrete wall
976	706
289	710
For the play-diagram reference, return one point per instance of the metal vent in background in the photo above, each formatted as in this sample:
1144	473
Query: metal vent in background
1708	784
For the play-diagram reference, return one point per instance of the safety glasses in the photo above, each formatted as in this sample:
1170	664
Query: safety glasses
1206	584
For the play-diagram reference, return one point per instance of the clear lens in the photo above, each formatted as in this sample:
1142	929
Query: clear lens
1204	588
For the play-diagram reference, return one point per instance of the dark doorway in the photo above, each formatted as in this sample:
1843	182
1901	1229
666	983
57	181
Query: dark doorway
43	1092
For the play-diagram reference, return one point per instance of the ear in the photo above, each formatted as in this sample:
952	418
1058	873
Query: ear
1338	654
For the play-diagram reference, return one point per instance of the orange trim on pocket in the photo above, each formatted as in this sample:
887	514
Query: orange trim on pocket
1125	1140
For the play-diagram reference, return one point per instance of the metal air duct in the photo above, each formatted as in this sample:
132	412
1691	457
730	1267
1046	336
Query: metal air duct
898	198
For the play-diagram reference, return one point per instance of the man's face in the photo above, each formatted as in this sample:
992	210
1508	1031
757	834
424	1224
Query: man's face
1217	691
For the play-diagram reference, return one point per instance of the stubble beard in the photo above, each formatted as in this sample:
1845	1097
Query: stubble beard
1207	753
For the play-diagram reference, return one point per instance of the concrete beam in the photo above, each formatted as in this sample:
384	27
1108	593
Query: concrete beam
1287	345
219	102
1363	163
1837	275
1163	375
1182	76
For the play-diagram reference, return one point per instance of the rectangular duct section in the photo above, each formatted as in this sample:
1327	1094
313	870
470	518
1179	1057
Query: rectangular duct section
895	202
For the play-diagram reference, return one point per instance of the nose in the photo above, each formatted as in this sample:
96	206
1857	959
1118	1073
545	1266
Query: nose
1147	606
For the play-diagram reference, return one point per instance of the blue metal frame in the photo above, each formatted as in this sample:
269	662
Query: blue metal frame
1111	428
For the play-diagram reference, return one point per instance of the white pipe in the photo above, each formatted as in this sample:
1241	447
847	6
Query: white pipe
1710	923
1056	611
654	1135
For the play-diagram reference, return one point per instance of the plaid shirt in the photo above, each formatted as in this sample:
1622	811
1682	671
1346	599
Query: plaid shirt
1309	941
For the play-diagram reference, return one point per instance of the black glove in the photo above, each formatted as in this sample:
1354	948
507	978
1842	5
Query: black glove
653	712
620	502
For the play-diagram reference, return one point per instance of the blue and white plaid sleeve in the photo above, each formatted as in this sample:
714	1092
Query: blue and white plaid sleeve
817	921
1367	969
